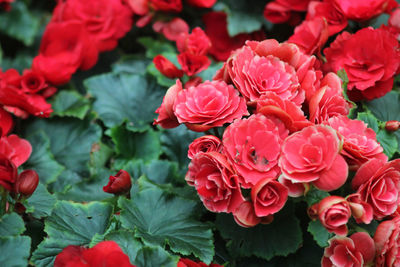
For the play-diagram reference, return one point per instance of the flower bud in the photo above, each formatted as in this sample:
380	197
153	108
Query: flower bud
334	213
166	67
119	184
245	216
26	183
392	126
361	210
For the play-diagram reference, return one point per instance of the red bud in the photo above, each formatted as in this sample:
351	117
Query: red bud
166	67
245	216
392	126
27	182
119	184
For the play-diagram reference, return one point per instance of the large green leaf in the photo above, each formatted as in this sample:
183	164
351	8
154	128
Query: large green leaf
280	238
309	255
65	181
242	17
127	242
11	224
71	224
162	220
379	21
41	203
386	108
78	223
46	252
70	104
209	73
71	141
175	143
155	47
131	64
397	134
19	62
88	189
160	171
14	251
155	256
125	97
388	141
315	195
369	119
145	145
319	233
41	159
20	23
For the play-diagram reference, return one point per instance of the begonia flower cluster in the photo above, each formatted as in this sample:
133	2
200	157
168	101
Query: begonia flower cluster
285	129
288	128
277	121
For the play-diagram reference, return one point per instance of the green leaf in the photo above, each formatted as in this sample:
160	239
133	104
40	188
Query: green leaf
131	64
70	104
145	145
41	202
14	251
314	196
175	143
78	223
388	141
386	108
133	167
88	190
397	134
71	224
125	97
242	17
11	224
345	79
160	171
70	141
379	21
20	23
209	73
41	159
47	251
154	47
370	228
19	62
65	181
155	256
280	238
242	22
369	119
162	220
309	255
127	242
319	233
99	156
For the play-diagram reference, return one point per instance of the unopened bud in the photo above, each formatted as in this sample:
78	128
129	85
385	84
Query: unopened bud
119	184
392	126
245	216
27	182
